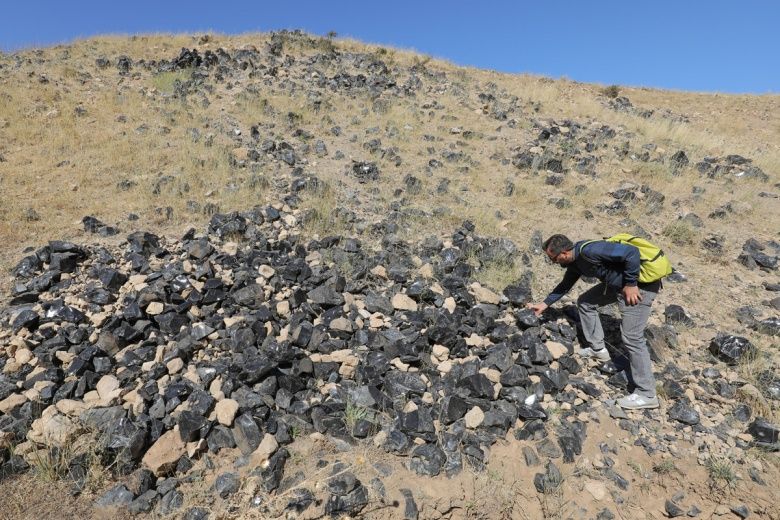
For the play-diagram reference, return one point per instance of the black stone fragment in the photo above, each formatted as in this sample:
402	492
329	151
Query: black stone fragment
673	510
427	459
410	506
766	434
549	481
117	496
684	413
227	484
246	433
675	314
730	348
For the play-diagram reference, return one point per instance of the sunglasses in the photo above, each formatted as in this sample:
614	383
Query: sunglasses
554	259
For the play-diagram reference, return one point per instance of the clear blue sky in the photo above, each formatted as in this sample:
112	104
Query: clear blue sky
713	45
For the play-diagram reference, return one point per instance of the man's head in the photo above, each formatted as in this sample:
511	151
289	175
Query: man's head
559	249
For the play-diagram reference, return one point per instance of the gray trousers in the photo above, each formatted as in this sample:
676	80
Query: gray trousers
632	329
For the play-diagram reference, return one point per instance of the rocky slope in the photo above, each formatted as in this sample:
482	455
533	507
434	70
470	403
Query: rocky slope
344	331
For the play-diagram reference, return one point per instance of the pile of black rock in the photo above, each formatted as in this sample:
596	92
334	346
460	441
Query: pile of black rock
247	337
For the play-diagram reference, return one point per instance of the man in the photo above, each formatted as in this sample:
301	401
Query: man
616	265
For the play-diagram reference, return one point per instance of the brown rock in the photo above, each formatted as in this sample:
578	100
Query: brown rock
165	453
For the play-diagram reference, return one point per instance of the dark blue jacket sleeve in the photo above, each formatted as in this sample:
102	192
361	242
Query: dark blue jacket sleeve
616	254
569	279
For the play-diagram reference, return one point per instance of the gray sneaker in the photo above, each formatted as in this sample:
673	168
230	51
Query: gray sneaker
637	402
589	353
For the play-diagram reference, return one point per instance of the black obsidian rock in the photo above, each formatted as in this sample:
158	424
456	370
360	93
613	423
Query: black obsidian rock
730	348
427	459
684	413
766	434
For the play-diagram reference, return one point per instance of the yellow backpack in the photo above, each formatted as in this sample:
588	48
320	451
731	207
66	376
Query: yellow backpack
653	263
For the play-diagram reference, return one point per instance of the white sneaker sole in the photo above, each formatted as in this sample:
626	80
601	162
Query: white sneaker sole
648	406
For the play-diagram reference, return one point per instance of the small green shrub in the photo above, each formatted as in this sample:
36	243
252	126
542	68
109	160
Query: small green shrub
680	233
721	472
611	91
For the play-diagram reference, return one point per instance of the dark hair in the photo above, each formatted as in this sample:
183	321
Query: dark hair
558	244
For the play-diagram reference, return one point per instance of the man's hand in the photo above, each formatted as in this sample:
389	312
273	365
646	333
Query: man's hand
631	295
538	308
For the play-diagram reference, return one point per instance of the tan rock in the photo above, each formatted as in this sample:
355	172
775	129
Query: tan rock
379	271
283	308
346	371
474	340
484	295
558	350
53	429
596	488
426	271
12	402
376	321
449	304
226	410
341	324
65	357
444	367
162	457
493	375
474	417
23	355
138	281
402	302
264	451
155	308
175	365
108	388
344	356
400	365
11	366
232	320
71	407
99	318
266	271
380	439
440	352
230	248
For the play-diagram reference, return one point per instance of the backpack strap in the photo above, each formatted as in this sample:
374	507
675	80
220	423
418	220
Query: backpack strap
582	246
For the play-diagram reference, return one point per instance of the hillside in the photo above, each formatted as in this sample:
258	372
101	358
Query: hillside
398	203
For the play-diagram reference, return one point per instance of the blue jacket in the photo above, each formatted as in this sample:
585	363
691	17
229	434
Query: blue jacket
615	264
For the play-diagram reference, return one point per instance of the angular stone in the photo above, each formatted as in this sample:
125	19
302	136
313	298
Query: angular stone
684	413
227	484
484	295
427	459
226	410
265	449
549	481
673	510
474	417
325	295
410	506
192	426
108	388
162	457
766	434
402	302
116	497
730	348
246	433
